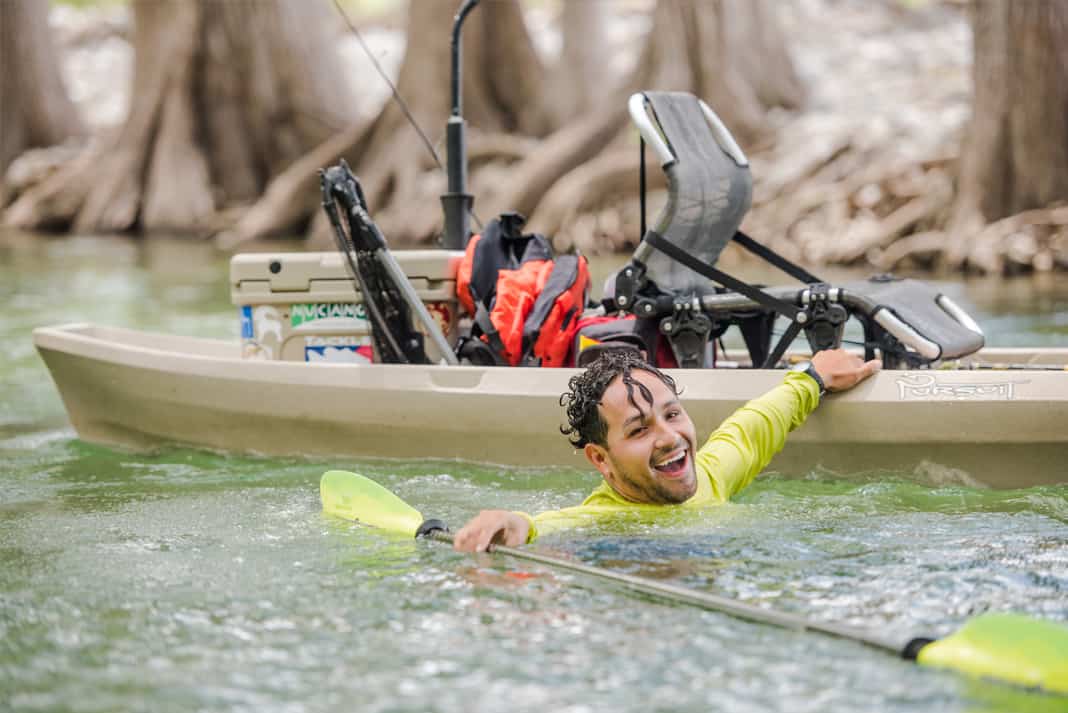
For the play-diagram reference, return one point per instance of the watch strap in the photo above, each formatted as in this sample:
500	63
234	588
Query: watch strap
811	371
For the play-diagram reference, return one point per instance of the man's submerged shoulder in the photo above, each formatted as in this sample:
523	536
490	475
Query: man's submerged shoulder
604	496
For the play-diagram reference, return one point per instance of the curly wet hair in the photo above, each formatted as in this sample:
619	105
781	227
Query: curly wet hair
585	391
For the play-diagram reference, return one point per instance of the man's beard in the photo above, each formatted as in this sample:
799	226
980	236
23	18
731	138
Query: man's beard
653	491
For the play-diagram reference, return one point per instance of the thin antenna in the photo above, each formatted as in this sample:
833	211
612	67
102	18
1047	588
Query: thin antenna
641	183
396	95
457	203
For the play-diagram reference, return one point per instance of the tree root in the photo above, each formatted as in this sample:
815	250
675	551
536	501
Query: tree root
558	155
861	237
610	177
1020	242
489	147
53	203
1034	240
923	248
292	196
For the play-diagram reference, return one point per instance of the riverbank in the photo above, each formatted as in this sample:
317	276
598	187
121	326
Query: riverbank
862	175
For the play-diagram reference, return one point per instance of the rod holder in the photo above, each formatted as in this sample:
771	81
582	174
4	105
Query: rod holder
456	203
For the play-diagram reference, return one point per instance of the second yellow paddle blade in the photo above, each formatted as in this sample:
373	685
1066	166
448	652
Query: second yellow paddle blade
1007	647
355	497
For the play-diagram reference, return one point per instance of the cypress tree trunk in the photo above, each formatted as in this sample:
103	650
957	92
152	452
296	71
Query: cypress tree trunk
696	46
502	91
34	107
225	96
1015	155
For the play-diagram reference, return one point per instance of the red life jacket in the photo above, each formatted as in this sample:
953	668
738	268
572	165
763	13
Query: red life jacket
525	305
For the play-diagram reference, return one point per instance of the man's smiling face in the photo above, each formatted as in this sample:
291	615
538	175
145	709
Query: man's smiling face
649	444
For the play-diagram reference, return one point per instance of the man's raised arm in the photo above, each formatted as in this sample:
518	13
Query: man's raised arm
745	443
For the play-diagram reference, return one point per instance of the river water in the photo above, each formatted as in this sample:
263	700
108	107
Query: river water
185	580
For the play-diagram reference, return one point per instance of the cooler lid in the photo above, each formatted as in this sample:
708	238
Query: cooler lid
294	272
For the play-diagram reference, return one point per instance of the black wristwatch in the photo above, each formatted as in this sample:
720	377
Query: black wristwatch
806	367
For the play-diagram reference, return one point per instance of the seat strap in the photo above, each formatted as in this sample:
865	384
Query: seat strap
702	268
785	341
763	251
485	324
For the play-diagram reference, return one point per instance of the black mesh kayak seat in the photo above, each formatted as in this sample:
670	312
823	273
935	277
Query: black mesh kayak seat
709	189
672	281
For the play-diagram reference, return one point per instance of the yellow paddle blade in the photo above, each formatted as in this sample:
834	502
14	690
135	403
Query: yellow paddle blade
1008	647
355	497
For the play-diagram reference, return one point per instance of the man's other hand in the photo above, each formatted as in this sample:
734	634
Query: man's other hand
841	370
498	527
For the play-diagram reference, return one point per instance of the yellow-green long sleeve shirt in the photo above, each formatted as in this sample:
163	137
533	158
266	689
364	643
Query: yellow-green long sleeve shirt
728	461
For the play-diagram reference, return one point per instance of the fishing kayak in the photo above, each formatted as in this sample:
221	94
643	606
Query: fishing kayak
975	426
331	360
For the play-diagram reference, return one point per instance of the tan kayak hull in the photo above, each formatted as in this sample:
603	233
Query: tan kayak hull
131	388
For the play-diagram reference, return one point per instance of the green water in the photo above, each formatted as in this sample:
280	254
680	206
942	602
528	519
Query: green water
184	580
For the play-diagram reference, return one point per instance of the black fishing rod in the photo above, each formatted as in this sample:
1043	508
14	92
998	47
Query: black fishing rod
388	296
456	203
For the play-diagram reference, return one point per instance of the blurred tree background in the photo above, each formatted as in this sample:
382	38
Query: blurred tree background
919	134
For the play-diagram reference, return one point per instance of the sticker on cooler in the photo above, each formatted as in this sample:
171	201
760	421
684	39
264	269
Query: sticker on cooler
340	315
261	332
338	350
267	324
442	314
246	322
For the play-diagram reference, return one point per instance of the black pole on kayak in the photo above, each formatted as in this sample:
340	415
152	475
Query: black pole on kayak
456	202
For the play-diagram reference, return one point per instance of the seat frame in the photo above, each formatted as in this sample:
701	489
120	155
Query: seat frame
692	318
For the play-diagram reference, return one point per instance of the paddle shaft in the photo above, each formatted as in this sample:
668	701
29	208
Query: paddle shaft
693	597
1005	647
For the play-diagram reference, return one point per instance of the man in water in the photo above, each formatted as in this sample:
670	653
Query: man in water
626	417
